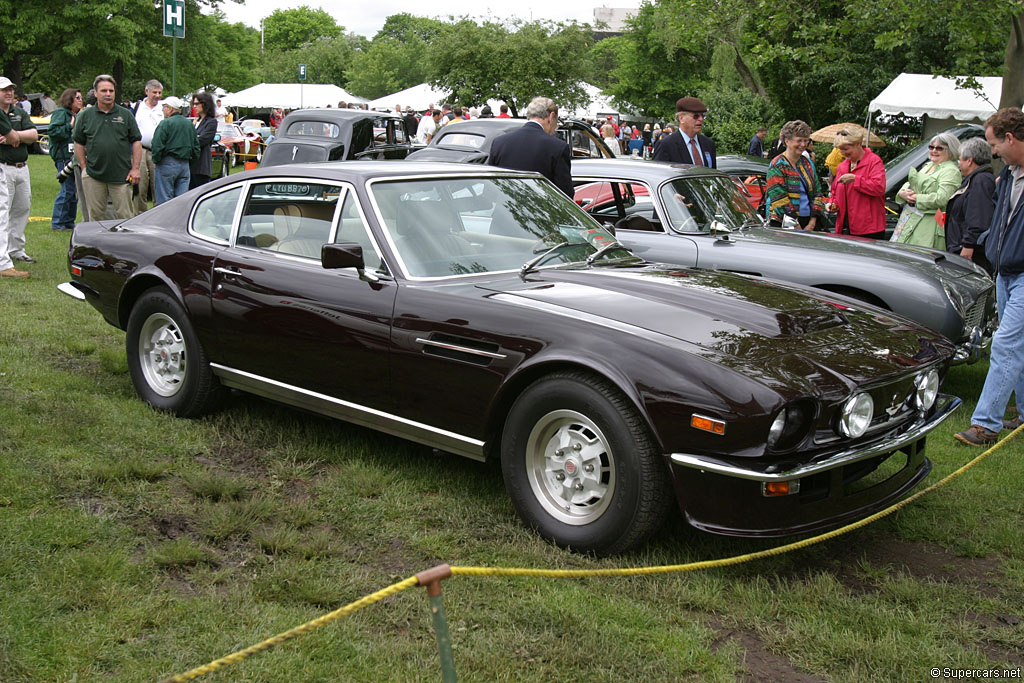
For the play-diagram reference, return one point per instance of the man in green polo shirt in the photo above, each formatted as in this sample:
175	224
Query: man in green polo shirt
12	137
108	146
14	159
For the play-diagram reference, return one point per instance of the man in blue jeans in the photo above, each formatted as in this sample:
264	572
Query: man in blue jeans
175	144
1004	246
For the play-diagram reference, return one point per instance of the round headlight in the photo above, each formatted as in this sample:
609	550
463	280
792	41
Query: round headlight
778	426
926	388
856	415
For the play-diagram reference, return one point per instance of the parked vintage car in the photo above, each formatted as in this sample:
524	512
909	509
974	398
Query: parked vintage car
481	312
337	135
237	146
674	213
42	145
470	141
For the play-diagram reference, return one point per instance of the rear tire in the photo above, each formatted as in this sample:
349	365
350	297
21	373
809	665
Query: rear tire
581	467
167	364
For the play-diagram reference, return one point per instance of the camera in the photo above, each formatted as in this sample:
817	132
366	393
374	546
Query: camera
66	172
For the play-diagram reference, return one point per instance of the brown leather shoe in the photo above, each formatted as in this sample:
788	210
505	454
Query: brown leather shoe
976	435
1012	423
12	272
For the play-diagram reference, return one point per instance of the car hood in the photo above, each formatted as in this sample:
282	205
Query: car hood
718	314
925	262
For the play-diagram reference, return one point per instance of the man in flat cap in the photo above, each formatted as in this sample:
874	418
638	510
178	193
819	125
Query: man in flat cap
687	145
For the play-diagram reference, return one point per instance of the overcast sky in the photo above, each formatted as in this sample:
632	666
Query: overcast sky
365	17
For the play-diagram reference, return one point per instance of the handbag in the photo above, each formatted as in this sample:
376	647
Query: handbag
908	211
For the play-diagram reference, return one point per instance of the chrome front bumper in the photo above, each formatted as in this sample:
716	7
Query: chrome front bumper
945	405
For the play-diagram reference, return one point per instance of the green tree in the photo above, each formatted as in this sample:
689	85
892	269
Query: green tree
327	60
289	29
514	62
651	75
388	65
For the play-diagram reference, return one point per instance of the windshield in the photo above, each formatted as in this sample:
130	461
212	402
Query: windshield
441	227
693	203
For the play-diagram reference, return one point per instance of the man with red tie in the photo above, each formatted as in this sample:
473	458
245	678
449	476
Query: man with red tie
687	145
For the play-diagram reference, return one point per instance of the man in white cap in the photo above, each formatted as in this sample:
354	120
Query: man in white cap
17	133
175	145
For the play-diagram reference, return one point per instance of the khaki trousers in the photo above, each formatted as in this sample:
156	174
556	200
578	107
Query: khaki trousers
145	181
97	194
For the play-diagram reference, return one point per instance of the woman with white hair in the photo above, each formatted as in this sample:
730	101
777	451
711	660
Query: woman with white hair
927	191
969	210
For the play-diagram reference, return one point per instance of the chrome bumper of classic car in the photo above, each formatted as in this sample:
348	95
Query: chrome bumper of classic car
970	350
71	290
945	405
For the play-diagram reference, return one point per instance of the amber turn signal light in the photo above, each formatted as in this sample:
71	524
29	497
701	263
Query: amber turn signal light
772	489
708	424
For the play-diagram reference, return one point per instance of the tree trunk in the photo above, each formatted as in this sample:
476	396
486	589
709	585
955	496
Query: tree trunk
1013	77
12	69
118	74
748	76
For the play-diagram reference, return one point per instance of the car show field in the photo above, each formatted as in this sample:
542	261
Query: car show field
138	544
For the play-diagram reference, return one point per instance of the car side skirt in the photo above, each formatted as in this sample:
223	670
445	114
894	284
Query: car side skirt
364	416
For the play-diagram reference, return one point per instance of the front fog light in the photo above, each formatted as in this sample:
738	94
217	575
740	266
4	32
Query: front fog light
856	415
926	388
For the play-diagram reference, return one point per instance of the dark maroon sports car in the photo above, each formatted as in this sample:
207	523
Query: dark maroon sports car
481	312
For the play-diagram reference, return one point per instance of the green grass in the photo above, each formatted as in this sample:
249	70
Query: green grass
134	545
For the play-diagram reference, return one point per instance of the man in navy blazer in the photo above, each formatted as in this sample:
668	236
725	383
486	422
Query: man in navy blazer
679	146
534	147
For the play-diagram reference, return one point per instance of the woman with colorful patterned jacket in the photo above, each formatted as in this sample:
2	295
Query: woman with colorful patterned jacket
792	186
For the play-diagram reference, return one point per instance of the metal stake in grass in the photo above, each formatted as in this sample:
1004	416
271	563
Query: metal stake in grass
431	580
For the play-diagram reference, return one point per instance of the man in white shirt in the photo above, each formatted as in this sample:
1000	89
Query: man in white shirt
148	114
428	126
222	113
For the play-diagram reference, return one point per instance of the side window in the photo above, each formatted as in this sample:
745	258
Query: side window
290	218
214	215
353	229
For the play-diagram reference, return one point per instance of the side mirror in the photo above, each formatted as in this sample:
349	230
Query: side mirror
789	223
345	255
216	137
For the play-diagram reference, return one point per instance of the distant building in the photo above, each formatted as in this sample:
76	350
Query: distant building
614	18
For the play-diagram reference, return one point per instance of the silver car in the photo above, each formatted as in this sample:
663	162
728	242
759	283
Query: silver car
674	213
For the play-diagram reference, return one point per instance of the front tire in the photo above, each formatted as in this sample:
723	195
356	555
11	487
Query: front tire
581	467
167	364
225	164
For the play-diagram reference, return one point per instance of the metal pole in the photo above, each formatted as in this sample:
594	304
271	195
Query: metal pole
174	63
431	579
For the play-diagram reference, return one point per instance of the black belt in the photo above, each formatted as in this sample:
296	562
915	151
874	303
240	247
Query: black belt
16	164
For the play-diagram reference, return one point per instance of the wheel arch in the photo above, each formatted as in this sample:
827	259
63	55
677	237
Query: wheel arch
514	386
135	288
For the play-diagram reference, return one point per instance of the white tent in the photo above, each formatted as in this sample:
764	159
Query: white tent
419	97
938	101
290	96
601	106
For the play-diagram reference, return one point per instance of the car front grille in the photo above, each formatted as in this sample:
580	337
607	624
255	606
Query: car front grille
976	314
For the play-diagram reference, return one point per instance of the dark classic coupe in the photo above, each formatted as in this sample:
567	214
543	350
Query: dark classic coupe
470	141
674	213
338	134
481	312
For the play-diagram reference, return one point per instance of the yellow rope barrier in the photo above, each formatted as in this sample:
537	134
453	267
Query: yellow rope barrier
581	573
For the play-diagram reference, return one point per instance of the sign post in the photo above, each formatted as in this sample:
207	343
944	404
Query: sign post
174	27
302	77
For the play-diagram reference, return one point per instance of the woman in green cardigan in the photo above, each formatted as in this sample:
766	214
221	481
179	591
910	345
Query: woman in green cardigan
927	191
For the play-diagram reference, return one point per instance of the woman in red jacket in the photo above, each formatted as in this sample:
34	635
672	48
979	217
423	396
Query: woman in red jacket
858	193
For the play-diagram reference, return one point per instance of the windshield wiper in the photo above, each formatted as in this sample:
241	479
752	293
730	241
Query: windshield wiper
529	265
614	244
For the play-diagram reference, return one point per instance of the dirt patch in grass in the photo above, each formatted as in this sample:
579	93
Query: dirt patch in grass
759	663
916	559
233	458
172	526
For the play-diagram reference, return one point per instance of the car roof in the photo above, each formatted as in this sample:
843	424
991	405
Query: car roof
653	171
731	163
358	171
338	116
